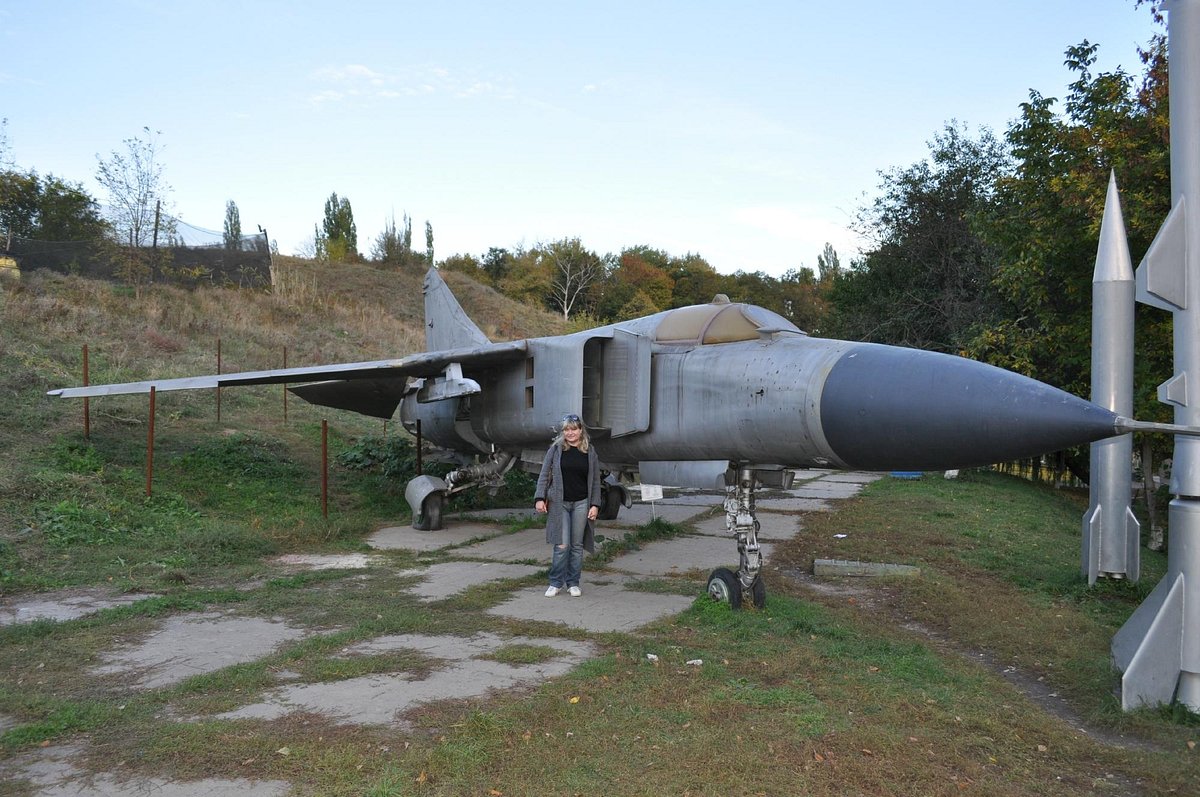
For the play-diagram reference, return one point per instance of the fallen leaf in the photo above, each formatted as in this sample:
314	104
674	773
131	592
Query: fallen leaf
575	699
495	793
249	761
818	757
865	751
422	777
872	669
283	751
1042	748
1191	745
527	735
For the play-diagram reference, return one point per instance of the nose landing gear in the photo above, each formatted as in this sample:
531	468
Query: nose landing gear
746	585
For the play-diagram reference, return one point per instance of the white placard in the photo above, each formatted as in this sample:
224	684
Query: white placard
652	492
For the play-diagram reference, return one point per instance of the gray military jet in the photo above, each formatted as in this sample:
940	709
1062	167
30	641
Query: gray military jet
721	395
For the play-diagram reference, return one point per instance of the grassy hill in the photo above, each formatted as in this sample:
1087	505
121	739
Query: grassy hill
52	484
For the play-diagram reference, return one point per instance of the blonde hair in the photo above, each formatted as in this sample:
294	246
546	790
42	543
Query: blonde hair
572	421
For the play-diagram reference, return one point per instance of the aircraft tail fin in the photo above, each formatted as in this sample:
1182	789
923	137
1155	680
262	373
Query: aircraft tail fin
447	325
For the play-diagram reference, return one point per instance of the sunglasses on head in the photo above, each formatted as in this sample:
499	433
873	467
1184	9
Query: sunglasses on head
572	418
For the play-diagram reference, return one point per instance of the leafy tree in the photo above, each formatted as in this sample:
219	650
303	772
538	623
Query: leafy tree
648	269
47	209
339	236
428	245
393	246
20	196
135	184
695	281
466	264
233	226
496	264
927	281
529	278
1052	205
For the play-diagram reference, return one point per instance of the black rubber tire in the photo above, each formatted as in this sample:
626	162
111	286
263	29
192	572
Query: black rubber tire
758	593
610	503
723	585
430	516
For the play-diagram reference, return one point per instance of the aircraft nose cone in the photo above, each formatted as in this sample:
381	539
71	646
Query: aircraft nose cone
890	408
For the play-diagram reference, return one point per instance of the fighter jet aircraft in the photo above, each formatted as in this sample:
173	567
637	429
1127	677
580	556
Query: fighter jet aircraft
719	395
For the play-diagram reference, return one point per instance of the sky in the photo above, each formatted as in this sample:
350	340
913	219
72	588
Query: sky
749	132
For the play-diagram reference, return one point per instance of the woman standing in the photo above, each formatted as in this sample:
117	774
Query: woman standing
568	493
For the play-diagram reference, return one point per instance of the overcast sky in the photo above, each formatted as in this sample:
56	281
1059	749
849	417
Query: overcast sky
747	132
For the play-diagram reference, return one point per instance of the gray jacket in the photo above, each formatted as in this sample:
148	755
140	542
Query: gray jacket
549	489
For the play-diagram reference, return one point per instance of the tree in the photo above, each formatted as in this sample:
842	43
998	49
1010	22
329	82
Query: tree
428	245
696	282
339	238
66	212
47	209
393	246
1051	208
233	226
573	268
496	264
134	181
927	282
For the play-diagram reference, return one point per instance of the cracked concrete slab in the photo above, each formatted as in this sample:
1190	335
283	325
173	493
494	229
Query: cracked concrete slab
63	605
381	699
825	488
640	514
676	556
793	505
349	561
450	578
606	605
53	773
195	644
392	538
771	527
521	546
854	477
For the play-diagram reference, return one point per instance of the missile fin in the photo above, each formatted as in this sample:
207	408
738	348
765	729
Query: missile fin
1092	531
1174	391
1161	278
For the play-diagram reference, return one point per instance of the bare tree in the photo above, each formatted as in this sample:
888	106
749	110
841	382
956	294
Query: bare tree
134	181
573	270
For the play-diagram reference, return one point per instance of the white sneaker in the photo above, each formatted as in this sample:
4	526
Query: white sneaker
552	591
575	592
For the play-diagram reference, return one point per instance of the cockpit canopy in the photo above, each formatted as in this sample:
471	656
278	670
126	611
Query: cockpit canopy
720	321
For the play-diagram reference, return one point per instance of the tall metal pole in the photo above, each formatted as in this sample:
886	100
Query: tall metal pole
150	446
87	410
1111	532
1158	648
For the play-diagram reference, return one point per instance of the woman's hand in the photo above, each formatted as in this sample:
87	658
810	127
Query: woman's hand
593	513
539	506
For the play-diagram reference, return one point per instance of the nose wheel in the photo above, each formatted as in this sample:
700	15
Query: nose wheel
724	586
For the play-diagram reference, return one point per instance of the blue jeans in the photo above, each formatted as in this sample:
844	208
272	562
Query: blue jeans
567	563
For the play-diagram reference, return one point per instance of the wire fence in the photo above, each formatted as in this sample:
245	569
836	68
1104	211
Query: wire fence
185	255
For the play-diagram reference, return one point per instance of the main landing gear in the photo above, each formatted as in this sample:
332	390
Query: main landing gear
746	585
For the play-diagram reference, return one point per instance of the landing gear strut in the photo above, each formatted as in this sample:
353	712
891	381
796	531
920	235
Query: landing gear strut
746	585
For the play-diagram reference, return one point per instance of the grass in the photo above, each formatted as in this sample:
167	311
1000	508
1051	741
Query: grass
872	687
